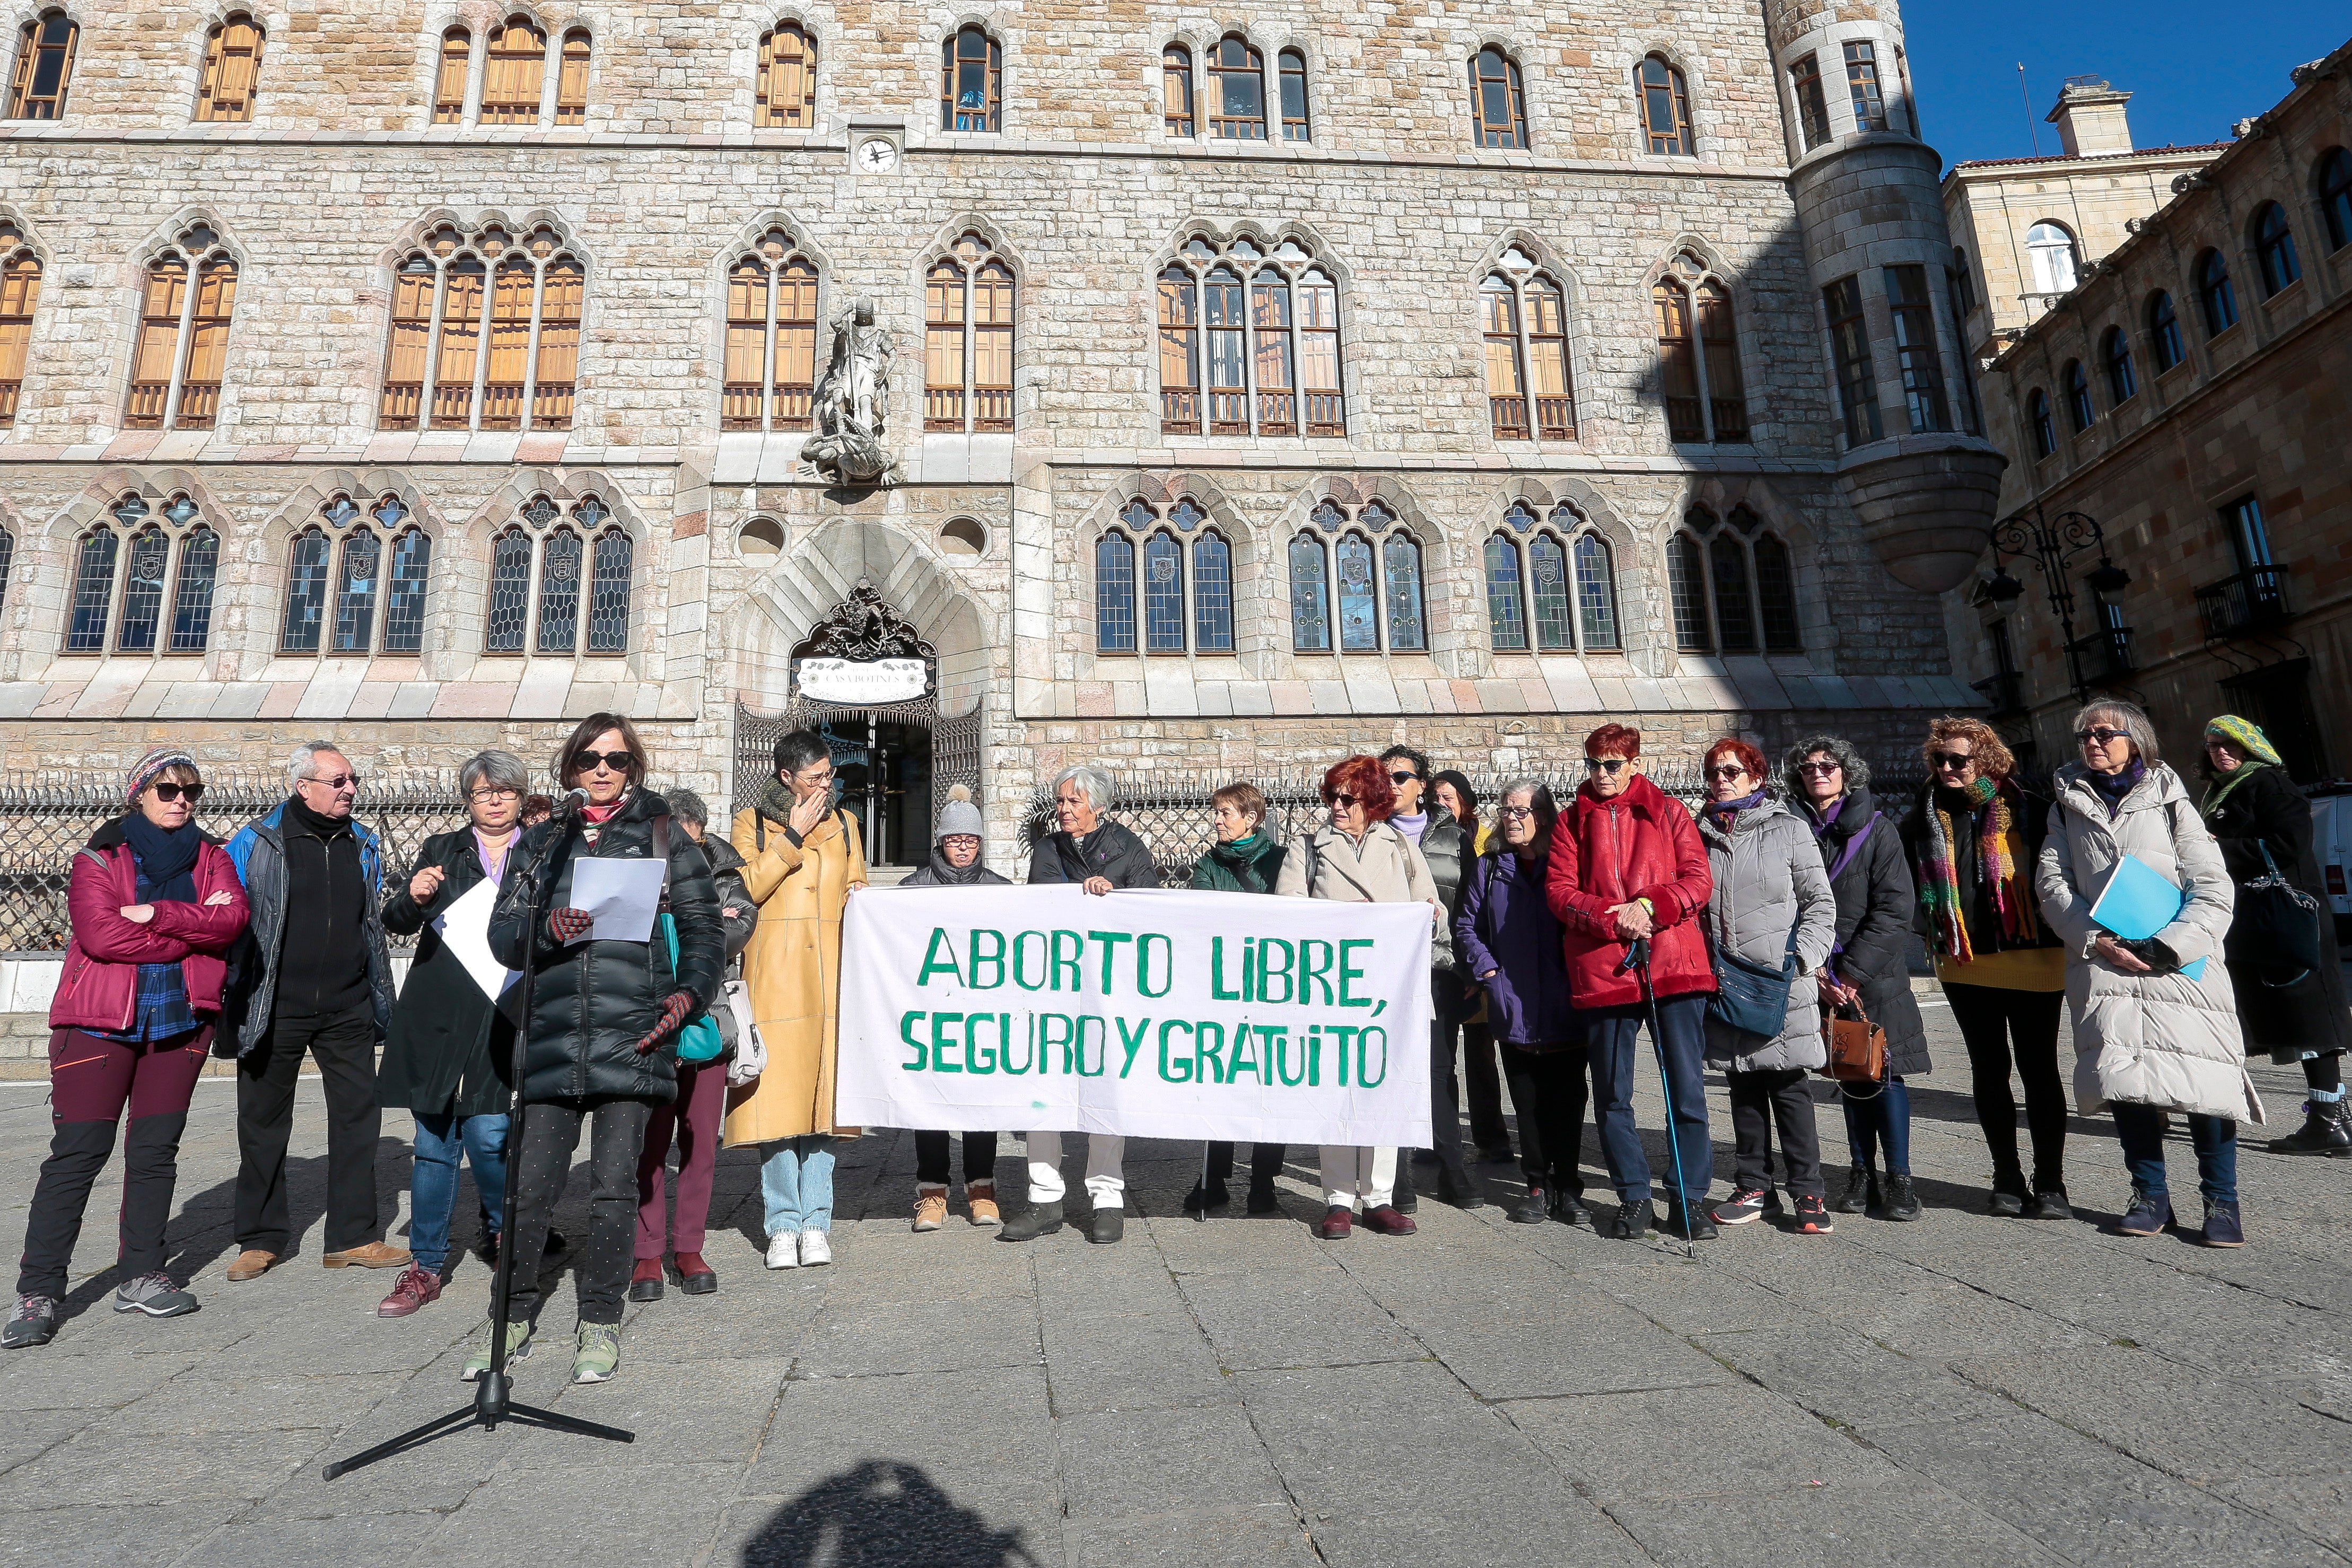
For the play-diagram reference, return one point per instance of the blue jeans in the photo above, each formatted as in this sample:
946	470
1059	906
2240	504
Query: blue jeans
2141	1128
1612	1036
433	1179
797	1183
1881	1121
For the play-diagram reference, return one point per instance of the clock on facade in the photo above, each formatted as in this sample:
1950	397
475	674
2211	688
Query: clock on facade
877	155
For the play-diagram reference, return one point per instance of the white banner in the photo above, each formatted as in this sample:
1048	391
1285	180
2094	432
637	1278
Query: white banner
1154	1014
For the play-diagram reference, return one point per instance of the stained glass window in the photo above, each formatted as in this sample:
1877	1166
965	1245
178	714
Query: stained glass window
1310	597
404	610
1506	616
306	593
1212	595
509	592
1115	594
142	592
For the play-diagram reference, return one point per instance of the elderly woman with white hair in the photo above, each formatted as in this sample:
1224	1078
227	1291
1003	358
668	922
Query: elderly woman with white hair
2156	1018
1099	855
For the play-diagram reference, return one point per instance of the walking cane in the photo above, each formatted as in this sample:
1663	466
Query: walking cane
1637	959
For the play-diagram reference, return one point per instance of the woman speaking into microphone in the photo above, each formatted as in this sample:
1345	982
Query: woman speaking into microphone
602	1039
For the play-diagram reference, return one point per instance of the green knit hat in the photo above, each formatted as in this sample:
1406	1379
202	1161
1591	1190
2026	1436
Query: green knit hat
2246	735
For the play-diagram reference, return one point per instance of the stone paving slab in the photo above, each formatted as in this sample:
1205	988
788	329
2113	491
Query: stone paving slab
1235	1394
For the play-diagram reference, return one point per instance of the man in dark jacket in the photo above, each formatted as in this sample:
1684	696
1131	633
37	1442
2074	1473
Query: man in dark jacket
1450	853
1099	856
313	974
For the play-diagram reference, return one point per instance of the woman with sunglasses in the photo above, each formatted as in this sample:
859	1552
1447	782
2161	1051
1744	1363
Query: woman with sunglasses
1829	783
600	1047
154	905
1358	857
449	1056
2156	1018
2262	823
1444	842
1482	1083
1972	836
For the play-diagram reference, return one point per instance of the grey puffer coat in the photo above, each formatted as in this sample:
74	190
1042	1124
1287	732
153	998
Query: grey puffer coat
2146	1040
1769	881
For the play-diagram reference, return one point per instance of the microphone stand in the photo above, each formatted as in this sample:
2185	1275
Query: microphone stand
493	1402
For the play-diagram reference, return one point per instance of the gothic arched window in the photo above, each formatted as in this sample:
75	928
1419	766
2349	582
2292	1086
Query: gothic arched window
1360	567
571	80
355	581
182	342
1666	109
440	295
1272	319
1188	582
1529	391
232	69
1698	367
1548	583
513	74
450	78
1734	586
608	592
971	80
771	314
1176	91
44	60
169	559
549	561
786	92
20	291
1498	106
1115	594
1236	90
968	307
1310	596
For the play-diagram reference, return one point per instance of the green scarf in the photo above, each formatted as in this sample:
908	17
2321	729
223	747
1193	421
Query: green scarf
2219	789
776	799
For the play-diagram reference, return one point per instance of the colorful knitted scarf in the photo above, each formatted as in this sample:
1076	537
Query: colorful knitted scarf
2251	743
1998	868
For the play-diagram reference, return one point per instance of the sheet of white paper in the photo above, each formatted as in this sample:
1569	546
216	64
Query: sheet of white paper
622	895
465	929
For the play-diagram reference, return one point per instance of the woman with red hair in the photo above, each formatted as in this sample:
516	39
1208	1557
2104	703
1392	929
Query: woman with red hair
1627	865
1359	857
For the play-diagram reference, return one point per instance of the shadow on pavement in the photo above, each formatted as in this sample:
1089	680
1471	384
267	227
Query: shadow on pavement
881	1514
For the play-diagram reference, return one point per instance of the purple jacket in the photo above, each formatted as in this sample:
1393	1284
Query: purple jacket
1507	926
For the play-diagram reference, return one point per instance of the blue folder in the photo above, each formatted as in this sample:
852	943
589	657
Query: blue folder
2140	902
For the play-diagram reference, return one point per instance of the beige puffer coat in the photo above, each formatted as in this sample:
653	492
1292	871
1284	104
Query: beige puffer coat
2149	1039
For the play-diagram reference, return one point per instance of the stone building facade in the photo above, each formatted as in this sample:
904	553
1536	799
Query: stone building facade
2189	396
1537	411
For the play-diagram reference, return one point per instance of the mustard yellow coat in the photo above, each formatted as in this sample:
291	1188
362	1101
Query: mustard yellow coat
793	968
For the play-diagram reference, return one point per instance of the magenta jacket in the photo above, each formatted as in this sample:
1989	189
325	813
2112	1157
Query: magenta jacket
99	989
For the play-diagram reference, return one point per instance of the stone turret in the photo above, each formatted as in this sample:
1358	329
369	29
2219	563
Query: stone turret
1916	467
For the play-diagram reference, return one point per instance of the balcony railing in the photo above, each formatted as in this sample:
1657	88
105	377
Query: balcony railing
2004	693
2241	606
1511	417
2105	656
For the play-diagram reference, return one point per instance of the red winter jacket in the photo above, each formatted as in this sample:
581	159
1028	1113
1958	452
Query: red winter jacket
1641	844
99	987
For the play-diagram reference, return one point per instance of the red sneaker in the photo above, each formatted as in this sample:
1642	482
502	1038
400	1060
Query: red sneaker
417	1288
1338	1224
1813	1216
1388	1220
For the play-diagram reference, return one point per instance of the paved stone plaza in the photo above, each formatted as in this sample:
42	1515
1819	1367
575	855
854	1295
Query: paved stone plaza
1960	1390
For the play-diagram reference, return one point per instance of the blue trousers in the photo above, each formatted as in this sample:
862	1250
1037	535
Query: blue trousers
1881	1122
797	1183
2141	1128
1612	1037
433	1180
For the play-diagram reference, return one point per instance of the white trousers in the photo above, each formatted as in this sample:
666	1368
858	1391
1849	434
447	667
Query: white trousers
1351	1171
1106	1183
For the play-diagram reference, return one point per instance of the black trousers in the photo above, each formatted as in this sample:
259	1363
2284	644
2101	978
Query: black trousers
1444	1097
1483	1082
343	1045
551	1132
1760	1102
2002	1026
1265	1162
931	1158
1548	1091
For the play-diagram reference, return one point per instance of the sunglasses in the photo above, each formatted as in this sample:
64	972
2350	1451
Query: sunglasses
589	761
1956	760
165	791
1512	813
1726	771
1342	802
1820	769
1604	765
336	782
2100	734
1404	777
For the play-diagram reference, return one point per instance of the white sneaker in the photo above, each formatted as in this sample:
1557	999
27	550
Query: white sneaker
783	1250
815	1248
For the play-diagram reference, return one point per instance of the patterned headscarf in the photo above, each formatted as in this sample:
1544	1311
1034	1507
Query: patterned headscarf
142	772
2247	736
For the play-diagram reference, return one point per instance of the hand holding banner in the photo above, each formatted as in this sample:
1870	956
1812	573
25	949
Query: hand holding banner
1168	1015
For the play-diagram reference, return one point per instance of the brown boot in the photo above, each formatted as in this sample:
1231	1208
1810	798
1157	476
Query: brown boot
981	1197
374	1255
251	1264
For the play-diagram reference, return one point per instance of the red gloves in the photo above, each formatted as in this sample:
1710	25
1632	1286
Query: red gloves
567	924
673	1014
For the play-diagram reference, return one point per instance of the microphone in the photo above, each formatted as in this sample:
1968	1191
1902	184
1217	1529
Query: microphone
572	801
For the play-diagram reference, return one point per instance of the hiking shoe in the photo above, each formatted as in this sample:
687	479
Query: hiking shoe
1043	1219
2050	1205
2327	1130
35	1322
1338	1223
2223	1225
1568	1207
1105	1226
417	1288
1813	1214
1860	1192
156	1295
931	1208
597	1355
1700	1228
1387	1220
2149	1213
1631	1222
1747	1206
1533	1209
478	1363
981	1201
1902	1200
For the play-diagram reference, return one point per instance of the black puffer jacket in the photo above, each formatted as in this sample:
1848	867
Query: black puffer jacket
1874	906
1111	851
595	1000
2310	1014
727	885
448	1052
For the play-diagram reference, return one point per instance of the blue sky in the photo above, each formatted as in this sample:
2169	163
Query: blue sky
2192	68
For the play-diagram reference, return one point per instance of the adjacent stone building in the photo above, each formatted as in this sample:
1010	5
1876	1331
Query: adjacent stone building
1262	385
2189	394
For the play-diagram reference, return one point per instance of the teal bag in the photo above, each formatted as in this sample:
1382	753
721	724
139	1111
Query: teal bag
698	1039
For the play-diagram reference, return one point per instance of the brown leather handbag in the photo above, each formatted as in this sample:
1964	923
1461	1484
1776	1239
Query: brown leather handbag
1857	1047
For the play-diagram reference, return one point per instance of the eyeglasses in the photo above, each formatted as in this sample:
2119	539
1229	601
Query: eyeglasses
1820	769
2100	734
1512	813
1955	760
166	790
1611	765
484	797
1342	802
589	761
1404	777
336	782
1726	771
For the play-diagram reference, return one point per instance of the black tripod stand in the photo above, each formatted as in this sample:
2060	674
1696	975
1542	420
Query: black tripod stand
492	1401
